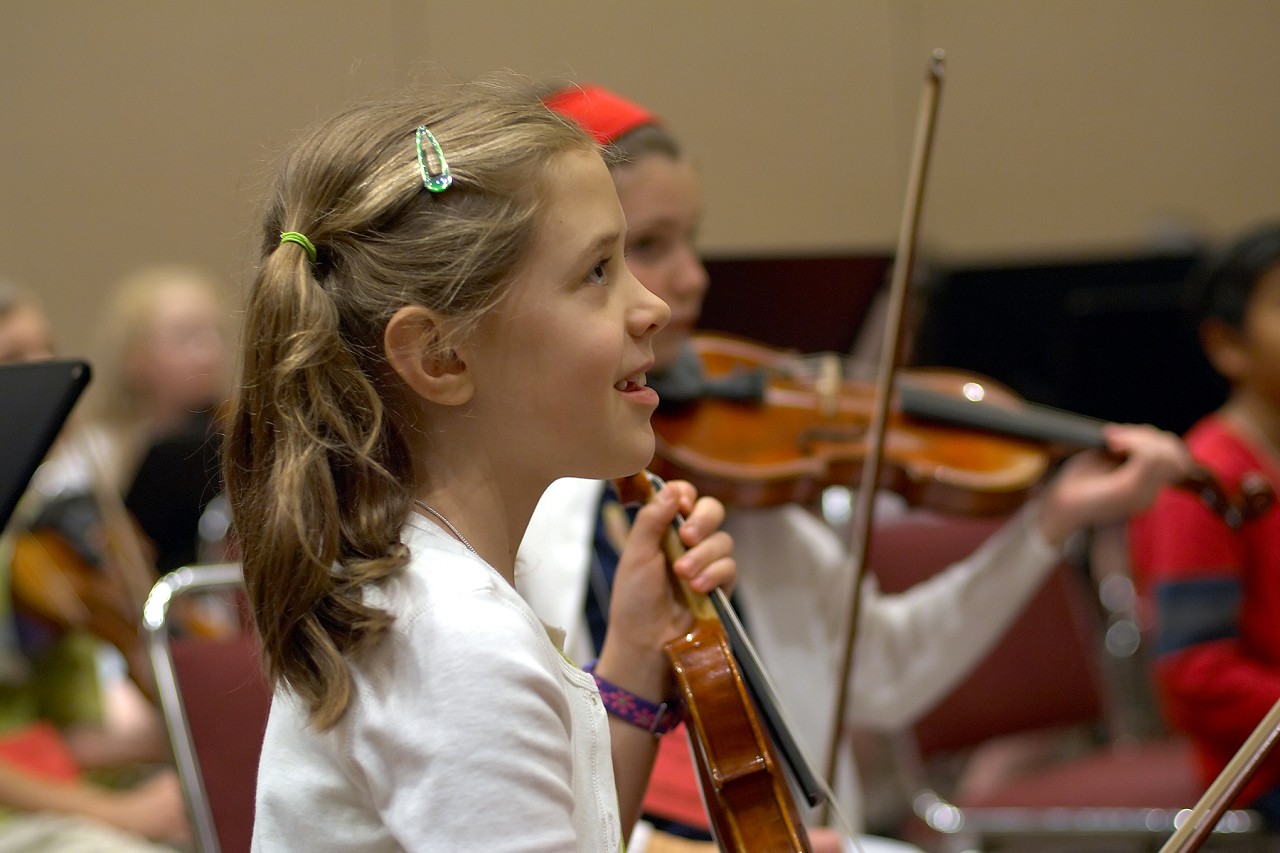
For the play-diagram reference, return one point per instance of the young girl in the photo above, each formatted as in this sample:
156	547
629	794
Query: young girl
795	572
148	437
127	482
442	325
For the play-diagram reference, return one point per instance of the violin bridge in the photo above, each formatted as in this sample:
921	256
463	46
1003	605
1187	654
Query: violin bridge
828	383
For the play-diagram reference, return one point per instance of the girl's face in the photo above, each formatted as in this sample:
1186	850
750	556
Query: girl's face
663	205
559	364
179	358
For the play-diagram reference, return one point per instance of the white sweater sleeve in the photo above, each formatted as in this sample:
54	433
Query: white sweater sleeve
916	645
912	647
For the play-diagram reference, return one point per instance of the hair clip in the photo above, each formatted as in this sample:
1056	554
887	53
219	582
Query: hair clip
436	176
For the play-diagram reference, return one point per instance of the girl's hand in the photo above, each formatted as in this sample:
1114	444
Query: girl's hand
646	610
1096	488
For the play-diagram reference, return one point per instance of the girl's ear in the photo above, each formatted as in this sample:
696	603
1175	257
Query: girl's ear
412	341
1224	349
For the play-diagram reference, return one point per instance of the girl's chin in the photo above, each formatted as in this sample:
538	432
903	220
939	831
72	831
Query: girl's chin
624	464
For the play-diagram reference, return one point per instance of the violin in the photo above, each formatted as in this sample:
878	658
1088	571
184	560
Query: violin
101	584
955	441
54	583
740	768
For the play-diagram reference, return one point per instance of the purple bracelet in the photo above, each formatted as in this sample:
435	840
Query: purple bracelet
657	719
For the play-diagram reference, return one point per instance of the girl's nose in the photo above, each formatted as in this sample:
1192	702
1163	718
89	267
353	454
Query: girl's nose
649	313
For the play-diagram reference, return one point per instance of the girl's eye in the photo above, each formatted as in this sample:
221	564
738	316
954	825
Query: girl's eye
598	274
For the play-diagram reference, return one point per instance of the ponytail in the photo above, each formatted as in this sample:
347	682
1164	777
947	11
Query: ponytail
323	444
318	463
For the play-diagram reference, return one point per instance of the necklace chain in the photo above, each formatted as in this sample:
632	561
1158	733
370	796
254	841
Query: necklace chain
449	524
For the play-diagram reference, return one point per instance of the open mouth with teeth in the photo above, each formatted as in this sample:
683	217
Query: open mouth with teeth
631	384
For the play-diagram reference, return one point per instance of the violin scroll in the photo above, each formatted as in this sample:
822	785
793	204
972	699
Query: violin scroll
1256	497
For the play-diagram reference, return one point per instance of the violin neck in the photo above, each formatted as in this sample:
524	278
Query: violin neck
1026	420
766	700
716	607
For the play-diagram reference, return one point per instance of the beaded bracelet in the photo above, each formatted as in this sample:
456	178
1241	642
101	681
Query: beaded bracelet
655	718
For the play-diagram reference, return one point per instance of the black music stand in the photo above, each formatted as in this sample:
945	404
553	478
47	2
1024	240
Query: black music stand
35	400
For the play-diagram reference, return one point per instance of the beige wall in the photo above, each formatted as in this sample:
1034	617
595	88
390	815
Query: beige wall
135	131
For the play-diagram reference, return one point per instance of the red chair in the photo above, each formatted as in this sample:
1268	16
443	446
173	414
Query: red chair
1043	675
215	703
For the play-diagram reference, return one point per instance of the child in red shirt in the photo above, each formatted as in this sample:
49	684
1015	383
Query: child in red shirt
1216	591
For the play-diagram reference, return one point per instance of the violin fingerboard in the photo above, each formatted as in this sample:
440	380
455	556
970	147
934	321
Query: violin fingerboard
1028	421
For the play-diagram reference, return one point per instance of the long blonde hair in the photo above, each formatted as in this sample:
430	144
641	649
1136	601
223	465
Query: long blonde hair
317	463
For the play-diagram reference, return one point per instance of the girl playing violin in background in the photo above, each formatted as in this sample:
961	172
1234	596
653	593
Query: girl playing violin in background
442	325
794	572
160	374
54	725
125	511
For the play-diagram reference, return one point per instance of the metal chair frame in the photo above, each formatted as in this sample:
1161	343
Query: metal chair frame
971	828
155	622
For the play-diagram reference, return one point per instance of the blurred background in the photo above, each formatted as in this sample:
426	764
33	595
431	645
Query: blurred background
136	132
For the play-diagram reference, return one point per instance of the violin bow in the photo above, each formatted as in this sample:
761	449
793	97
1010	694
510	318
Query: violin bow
899	281
1203	817
123	545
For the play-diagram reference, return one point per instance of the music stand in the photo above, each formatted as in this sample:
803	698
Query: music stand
35	400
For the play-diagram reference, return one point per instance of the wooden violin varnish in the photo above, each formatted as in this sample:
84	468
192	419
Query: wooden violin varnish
744	788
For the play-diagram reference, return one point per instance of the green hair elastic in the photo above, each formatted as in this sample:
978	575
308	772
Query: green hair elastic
436	176
301	240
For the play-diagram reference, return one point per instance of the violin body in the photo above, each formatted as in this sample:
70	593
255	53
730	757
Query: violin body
954	442
744	788
750	806
54	583
804	437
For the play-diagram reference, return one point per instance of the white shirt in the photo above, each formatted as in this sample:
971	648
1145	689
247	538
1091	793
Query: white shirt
793	585
467	730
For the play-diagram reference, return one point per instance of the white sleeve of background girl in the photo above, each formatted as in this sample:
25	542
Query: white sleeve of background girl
916	645
794	579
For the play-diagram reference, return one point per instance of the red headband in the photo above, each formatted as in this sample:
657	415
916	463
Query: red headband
601	113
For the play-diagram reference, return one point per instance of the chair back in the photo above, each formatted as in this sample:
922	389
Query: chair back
215	702
1044	673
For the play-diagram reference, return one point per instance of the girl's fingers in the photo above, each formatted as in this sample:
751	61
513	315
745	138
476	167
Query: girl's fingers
708	561
1153	447
705	517
656	515
709	564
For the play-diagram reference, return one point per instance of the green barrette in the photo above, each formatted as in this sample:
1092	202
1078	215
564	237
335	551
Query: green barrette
436	176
